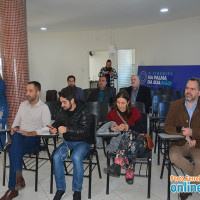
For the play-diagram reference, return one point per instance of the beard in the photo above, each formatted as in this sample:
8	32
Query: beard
30	99
189	98
68	108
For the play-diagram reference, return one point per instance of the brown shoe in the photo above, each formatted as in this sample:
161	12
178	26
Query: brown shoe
20	183
184	196
9	195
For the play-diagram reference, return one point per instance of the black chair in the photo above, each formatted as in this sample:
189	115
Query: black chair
100	109
32	162
139	105
146	159
124	88
180	94
167	90
87	92
156	92
53	107
87	160
163	108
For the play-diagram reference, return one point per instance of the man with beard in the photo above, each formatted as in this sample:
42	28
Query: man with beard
184	114
139	93
72	121
79	92
31	120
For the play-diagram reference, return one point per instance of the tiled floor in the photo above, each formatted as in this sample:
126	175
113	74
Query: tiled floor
119	190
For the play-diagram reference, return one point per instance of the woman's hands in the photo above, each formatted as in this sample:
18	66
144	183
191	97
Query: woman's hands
121	127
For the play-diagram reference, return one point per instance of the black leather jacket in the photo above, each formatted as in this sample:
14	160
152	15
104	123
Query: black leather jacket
77	123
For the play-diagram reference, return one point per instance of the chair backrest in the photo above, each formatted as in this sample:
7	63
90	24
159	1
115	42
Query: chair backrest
87	92
93	127
53	107
180	94
145	122
159	98
139	105
156	92
163	108
120	89
51	95
100	109
167	90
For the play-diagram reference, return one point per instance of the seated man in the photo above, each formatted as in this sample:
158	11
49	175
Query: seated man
139	93
103	93
185	113
72	121
79	92
31	120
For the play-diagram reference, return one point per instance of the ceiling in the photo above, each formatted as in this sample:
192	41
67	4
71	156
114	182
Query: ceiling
81	15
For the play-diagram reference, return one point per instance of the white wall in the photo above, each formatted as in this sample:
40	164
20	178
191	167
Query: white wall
54	56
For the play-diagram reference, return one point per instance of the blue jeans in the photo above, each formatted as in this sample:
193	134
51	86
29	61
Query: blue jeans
20	145
80	149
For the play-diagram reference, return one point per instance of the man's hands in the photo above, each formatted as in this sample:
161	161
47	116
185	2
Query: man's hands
23	132
13	130
61	129
187	132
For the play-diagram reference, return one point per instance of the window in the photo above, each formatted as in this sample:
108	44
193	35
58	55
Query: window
126	67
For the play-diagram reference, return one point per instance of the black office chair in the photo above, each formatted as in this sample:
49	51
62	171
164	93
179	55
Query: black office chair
100	109
31	162
124	88
145	158
87	160
53	107
180	94
163	108
167	90
139	105
87	92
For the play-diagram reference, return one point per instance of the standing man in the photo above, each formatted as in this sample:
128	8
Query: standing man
184	114
72	121
109	72
31	120
139	93
103	93
79	92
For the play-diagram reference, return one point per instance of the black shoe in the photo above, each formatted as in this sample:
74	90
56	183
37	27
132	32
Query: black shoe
113	170
184	195
77	195
59	195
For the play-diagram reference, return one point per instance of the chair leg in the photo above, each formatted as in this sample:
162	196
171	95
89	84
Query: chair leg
36	174
169	183
4	169
164	160
98	164
159	148
51	178
156	139
149	177
90	179
108	176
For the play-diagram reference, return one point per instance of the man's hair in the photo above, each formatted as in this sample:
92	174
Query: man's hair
36	84
71	76
195	79
109	60
103	76
135	75
68	93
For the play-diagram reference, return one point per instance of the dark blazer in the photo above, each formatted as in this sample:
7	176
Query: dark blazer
109	95
143	95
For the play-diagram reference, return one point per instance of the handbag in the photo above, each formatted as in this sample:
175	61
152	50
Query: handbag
148	138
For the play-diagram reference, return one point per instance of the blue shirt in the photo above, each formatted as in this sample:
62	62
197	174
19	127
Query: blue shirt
101	96
190	111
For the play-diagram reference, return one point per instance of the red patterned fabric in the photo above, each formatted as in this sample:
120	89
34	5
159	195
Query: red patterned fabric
14	52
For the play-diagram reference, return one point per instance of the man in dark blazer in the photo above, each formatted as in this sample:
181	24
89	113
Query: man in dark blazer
103	93
139	93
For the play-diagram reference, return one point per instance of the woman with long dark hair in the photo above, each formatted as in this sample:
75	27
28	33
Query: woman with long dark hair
128	120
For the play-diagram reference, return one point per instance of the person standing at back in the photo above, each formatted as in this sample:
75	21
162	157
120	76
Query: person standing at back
109	72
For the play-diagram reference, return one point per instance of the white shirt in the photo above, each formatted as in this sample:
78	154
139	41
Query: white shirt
33	118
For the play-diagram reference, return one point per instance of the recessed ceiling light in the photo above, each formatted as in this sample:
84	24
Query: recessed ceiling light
164	10
43	28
